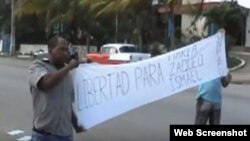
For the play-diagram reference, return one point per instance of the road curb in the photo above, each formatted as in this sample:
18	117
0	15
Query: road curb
24	57
241	65
4	55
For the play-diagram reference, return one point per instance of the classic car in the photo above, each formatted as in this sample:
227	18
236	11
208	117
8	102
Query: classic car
117	53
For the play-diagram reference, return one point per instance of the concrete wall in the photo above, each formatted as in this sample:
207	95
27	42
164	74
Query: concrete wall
186	26
1	45
31	48
187	20
190	1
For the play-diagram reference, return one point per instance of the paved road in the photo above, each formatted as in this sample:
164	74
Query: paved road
15	99
148	123
242	75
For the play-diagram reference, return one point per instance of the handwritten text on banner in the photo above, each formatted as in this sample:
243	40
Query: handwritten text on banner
106	91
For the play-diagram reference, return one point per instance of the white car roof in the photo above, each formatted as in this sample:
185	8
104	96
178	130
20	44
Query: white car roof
118	45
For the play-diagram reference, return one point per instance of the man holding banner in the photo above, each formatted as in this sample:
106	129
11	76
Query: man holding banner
52	93
100	88
209	100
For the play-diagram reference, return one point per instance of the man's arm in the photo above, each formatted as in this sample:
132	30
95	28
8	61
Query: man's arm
77	128
50	80
226	80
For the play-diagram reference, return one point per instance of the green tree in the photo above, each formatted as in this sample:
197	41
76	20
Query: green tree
230	17
227	16
136	16
52	11
79	24
97	19
4	17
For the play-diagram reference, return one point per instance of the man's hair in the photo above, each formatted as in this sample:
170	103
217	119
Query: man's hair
54	41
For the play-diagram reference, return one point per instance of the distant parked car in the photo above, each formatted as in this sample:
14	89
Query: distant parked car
40	54
117	53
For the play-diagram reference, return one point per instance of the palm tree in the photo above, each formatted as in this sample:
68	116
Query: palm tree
53	11
229	17
89	15
171	20
37	7
140	9
4	17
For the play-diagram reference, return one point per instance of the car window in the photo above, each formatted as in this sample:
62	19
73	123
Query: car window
128	49
113	50
105	50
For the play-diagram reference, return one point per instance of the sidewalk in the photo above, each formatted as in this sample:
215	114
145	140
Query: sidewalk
242	75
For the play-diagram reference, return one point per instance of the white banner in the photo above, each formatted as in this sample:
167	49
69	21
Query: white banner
106	91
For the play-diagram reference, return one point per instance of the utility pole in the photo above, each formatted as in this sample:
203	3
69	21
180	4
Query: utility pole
116	27
12	38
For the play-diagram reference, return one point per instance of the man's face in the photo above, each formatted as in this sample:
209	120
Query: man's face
60	52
